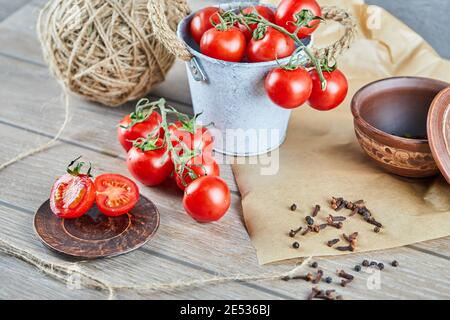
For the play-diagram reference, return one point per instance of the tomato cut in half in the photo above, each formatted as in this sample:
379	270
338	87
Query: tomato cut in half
72	195
116	194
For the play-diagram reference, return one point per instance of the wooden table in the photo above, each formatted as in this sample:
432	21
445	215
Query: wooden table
32	112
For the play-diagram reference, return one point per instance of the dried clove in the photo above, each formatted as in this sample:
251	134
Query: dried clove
293	207
345	275
316	210
337	218
308	277
337	203
314	293
371	220
318	277
323	226
292	233
345	248
337	225
332	242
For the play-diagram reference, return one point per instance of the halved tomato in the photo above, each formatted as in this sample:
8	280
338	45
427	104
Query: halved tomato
72	195
116	194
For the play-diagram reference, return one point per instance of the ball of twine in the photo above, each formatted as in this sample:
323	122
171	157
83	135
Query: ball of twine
106	50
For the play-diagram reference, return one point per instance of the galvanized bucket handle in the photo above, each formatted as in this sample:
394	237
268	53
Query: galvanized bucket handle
167	36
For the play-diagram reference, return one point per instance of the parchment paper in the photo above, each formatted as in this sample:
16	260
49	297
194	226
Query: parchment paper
321	157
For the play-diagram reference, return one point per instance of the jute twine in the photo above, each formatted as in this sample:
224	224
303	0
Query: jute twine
106	50
67	272
168	38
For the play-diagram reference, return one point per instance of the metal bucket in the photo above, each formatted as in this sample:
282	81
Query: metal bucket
232	97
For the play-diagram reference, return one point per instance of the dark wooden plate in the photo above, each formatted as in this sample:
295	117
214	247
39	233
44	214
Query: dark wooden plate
95	235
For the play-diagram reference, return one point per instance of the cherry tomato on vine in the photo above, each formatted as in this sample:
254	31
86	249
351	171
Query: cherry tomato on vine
201	22
207	198
72	194
200	140
286	11
273	45
150	164
116	194
131	129
334	94
265	12
198	166
288	88
227	45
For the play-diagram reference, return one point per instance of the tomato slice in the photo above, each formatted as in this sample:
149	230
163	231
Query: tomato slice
72	195
116	194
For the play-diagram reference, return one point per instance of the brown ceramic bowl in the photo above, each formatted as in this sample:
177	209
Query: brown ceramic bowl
390	118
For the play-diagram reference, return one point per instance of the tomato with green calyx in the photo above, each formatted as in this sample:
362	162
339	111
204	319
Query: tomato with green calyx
72	194
263	11
224	43
207	198
333	95
138	124
186	134
201	22
194	168
149	161
288	88
272	45
116	194
290	12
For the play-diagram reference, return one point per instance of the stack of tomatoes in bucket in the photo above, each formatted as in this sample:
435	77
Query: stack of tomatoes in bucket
159	150
259	34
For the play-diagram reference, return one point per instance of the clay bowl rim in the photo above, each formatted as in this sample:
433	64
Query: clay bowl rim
356	107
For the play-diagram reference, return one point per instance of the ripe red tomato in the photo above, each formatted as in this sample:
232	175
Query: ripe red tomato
201	140
288	88
116	194
265	12
207	198
201	22
287	9
198	166
150	167
72	195
274	45
227	45
334	94
127	133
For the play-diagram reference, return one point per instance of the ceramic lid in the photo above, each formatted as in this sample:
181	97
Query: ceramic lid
438	128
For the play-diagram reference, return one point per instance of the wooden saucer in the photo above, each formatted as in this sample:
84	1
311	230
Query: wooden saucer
95	235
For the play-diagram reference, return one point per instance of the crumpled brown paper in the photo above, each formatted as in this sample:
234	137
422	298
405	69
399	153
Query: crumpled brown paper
321	157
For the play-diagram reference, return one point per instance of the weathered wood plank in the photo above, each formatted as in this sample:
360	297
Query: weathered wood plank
225	244
8	7
19	280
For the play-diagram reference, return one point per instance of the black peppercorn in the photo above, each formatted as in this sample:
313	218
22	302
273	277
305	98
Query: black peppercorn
309	220
296	245
293	207
381	266
314	264
365	263
373	264
357	268
394	263
328	279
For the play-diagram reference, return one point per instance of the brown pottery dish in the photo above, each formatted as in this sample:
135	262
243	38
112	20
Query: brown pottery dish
95	235
390	119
